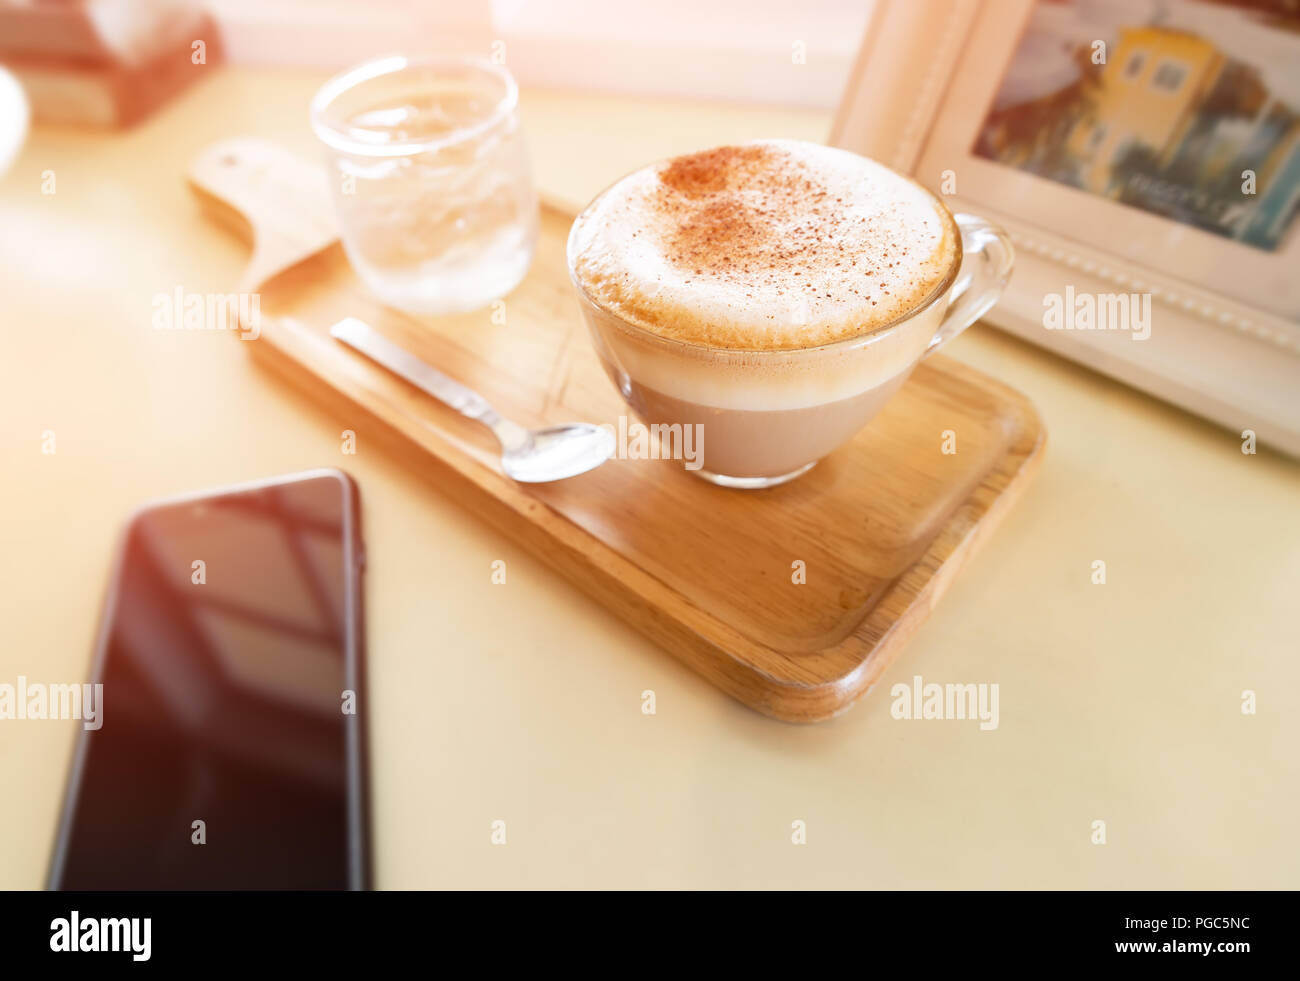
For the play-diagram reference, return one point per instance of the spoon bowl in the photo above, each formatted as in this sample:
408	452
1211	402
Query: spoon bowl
557	452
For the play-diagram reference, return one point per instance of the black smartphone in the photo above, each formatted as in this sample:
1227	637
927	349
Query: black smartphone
229	748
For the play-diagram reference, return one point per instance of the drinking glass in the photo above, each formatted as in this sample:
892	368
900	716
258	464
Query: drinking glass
431	179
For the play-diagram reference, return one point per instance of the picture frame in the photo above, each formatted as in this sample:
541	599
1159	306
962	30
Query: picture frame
1223	337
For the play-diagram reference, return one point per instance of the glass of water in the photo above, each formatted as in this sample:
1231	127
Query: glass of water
431	179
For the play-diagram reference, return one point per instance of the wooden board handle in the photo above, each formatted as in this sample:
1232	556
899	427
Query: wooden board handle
282	199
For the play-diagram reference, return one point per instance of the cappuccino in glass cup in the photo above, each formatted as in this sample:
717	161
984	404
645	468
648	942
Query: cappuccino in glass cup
774	295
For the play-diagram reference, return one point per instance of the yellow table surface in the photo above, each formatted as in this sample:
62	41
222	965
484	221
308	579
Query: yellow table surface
1118	702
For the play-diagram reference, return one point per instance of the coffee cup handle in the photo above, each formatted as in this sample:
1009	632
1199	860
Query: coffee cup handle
987	257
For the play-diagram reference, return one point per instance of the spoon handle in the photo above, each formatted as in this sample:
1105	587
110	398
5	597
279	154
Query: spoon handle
360	336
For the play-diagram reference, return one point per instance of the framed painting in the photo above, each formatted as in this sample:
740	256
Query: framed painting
1145	157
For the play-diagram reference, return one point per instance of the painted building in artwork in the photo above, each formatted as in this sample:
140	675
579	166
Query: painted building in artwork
1279	198
1153	83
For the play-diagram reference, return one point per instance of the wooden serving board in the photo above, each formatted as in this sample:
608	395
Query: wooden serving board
880	527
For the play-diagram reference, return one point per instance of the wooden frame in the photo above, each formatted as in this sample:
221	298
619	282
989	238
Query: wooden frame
921	86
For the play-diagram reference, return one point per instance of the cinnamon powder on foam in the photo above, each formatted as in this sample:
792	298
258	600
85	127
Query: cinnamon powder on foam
764	246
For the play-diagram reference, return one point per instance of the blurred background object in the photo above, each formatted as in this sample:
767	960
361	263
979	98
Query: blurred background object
104	62
756	51
13	119
111	62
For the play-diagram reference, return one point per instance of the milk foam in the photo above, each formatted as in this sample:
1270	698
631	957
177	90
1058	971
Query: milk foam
771	245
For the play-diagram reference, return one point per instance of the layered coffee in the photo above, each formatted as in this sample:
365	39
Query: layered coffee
775	292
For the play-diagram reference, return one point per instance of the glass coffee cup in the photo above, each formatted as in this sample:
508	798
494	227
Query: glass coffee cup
766	416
